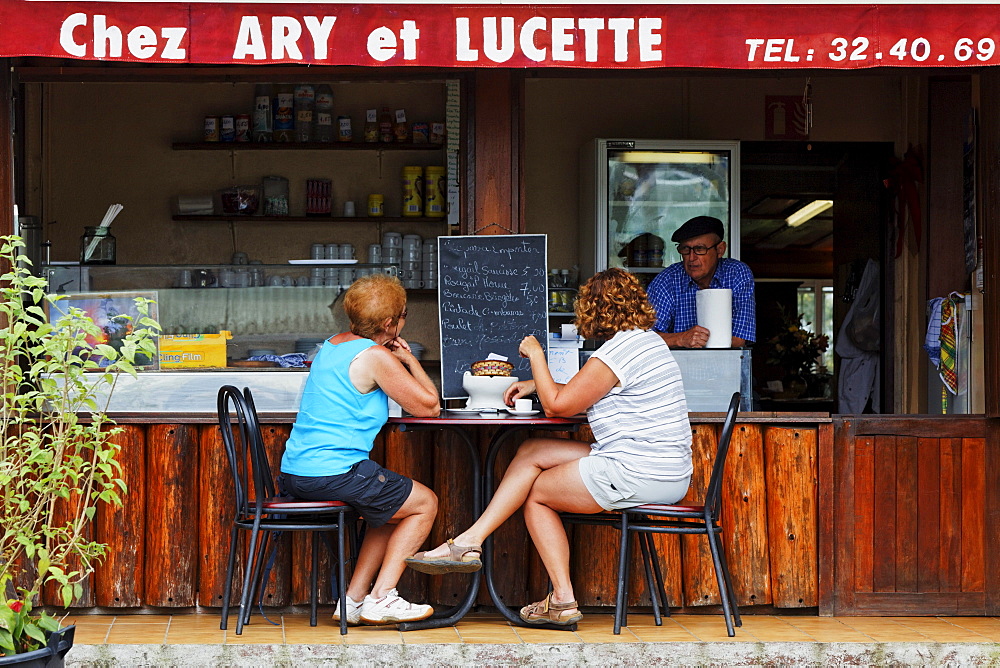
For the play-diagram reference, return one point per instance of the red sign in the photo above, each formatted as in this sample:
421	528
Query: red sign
785	118
524	36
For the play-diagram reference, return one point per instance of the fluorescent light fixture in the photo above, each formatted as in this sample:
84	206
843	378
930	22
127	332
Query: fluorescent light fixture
669	157
809	211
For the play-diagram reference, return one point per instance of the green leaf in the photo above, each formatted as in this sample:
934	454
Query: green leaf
48	623
67	594
35	632
7	643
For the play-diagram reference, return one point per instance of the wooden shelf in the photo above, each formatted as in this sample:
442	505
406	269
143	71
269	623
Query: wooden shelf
305	219
301	146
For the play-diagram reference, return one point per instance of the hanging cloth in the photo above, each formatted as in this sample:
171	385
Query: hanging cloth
949	345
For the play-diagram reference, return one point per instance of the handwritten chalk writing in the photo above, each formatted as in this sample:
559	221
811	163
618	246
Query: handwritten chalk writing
492	293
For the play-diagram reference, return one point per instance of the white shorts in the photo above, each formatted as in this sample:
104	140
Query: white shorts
614	488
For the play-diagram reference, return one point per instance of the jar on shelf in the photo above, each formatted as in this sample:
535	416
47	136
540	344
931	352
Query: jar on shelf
97	245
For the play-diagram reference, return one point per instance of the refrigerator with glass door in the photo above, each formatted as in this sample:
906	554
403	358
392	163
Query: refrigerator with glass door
634	193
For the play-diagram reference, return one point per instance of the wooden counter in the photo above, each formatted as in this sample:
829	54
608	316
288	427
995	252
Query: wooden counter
168	543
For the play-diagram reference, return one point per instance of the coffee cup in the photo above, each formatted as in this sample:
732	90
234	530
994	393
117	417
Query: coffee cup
522	405
184	279
413	284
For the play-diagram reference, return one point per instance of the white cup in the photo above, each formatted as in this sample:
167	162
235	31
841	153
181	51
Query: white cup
184	279
392	240
346	277
316	251
412	284
349	209
374	253
346	251
431	284
522	405
332	251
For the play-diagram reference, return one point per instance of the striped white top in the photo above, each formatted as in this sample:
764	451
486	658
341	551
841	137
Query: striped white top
644	423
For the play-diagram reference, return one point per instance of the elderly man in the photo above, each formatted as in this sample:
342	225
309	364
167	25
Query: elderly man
672	293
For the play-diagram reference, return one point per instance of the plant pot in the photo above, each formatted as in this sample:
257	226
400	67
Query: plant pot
51	656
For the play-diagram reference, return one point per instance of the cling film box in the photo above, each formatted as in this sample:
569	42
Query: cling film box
186	351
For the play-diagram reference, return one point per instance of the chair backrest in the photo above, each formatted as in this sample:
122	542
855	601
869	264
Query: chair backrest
244	448
267	480
233	424
714	493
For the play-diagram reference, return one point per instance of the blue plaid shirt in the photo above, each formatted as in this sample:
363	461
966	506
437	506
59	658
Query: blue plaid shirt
672	294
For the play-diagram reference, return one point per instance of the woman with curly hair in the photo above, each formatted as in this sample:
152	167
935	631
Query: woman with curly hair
631	390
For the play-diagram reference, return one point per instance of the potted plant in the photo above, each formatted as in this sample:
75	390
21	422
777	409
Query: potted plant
797	350
58	454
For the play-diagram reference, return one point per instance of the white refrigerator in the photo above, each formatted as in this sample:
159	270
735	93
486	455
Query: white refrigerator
634	193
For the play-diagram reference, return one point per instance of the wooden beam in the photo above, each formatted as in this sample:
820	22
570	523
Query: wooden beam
988	227
494	167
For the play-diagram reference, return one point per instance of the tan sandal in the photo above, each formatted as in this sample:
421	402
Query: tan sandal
547	612
461	559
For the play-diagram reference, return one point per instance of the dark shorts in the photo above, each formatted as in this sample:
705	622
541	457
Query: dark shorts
376	493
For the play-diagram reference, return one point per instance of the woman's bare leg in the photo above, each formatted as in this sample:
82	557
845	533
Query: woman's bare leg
535	456
384	549
557	490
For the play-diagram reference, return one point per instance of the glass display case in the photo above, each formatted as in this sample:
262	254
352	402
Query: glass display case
269	309
636	193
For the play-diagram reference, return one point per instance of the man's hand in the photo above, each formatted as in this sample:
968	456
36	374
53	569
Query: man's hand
696	337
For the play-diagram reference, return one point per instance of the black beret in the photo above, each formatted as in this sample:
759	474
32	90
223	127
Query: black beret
698	226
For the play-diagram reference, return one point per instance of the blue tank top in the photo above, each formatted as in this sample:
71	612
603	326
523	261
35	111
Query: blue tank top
336	425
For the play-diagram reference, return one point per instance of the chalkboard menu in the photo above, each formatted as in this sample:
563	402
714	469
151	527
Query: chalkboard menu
492	292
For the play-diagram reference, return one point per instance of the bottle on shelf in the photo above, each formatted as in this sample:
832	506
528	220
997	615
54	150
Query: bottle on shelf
564	278
553	278
263	128
305	99
284	113
323	114
385	126
401	130
371	126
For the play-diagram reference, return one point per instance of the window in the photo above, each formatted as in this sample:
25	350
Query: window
815	303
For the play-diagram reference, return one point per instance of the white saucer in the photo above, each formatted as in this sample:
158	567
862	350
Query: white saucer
472	410
521	413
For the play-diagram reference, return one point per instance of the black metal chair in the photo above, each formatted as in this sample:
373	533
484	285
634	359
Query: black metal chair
654	518
267	513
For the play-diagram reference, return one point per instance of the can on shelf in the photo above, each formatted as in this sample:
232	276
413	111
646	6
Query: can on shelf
211	128
242	123
435	192
227	128
375	206
413	204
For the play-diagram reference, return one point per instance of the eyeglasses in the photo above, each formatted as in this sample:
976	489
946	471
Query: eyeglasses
697	250
403	314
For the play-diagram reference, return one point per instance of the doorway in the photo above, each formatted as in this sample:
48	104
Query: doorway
812	214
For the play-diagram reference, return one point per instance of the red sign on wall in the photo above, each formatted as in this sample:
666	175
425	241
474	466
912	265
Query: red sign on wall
785	118
523	36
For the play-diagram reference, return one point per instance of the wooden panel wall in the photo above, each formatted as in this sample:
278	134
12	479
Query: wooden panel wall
909	516
170	540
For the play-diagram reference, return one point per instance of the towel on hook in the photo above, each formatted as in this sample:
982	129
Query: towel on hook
932	340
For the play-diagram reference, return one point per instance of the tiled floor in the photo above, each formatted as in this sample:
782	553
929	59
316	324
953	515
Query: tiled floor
493	629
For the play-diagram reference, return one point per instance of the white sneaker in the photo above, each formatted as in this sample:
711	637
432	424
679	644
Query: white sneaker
353	612
392	609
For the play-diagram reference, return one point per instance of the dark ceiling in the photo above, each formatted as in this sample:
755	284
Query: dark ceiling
775	181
